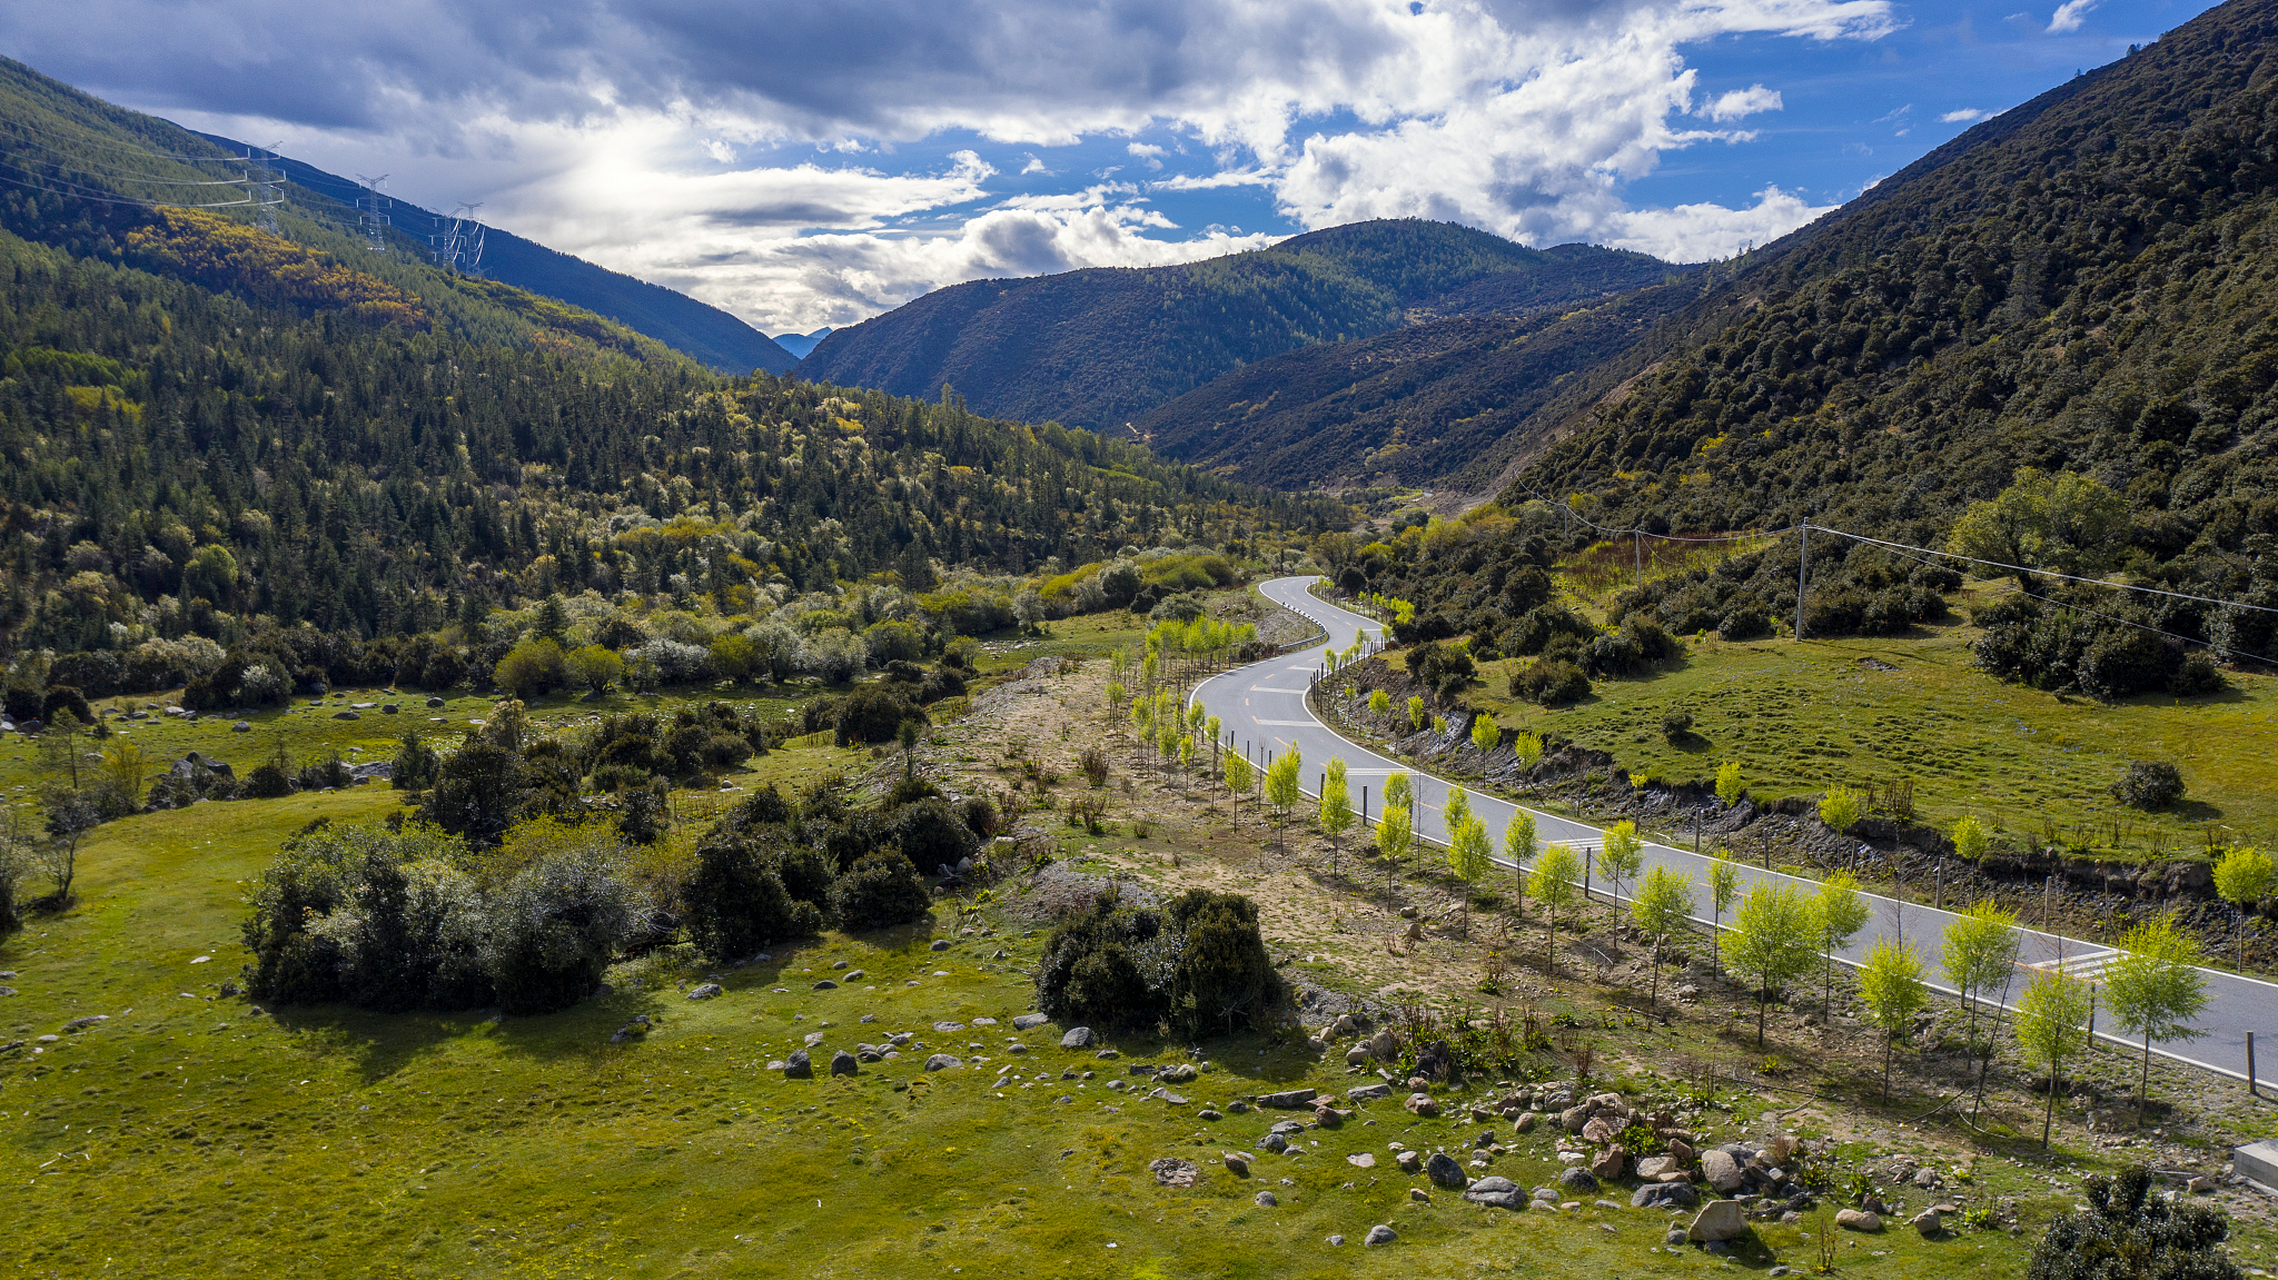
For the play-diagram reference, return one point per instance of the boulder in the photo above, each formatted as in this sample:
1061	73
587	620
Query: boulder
1577	1180
1718	1221
797	1067
1026	1021
704	991
1680	1151
1173	1172
1858	1220
1362	1160
939	944
1929	1222
434	704
1077	1038
1289	1099
1380	1234
1574	1118
826	985
242	726
1177	1073
1368	1092
1444	1171
943	1062
1384	1046
1267	1200
1526	1122
1652	1167
1497	1193
1358	1056
1610	1163
1409	1161
843	1064
1236	1163
1721	1170
1599	1130
1422	1104
1665	1195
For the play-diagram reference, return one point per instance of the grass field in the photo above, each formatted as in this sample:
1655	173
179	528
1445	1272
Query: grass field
1872	712
189	1136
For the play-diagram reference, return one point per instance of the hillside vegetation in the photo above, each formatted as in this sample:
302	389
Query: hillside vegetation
1098	348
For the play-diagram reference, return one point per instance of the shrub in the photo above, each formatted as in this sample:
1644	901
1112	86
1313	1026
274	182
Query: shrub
931	834
268	781
1552	682
1745	622
415	763
1841	808
737	901
367	916
2127	1233
880	890
1224	977
554	929
478	791
1676	724
1539	625
874	713
2149	784
531	668
2197	674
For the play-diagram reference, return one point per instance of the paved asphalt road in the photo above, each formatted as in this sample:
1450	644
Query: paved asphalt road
1262	709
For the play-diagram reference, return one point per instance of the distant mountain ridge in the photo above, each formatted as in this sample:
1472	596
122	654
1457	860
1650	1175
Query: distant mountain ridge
799	344
1102	347
678	321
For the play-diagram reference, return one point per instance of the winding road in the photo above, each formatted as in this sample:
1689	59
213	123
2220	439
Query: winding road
1262	711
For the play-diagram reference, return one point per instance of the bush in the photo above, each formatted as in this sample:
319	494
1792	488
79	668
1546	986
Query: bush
478	792
2197	675
874	713
532	668
268	781
1746	622
1199	965
1539	625
415	763
932	834
2127	1234
1676	724
1841	808
66	698
1224	977
737	902
1552	682
880	890
2149	784
554	929
383	920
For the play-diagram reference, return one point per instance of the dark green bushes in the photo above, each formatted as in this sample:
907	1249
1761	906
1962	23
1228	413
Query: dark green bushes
2128	1234
1197	966
880	890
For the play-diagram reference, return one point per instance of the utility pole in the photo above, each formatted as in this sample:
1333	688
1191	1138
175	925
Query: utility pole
265	183
1803	567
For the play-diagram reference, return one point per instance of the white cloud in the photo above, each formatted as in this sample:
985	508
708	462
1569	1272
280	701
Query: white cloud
1742	102
2069	16
1963	116
599	127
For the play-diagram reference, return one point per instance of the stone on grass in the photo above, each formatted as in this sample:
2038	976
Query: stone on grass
1665	1195
1577	1180
940	944
1289	1098
797	1067
1652	1167
826	985
1858	1220
1024	1021
1929	1222
1526	1122
704	991
1610	1163
843	1064
1409	1161
1236	1163
1077	1038
1174	1173
1421	1104
1444	1171
1177	1073
1380	1234
1363	1160
1368	1092
1718	1221
943	1062
1721	1170
1267	1200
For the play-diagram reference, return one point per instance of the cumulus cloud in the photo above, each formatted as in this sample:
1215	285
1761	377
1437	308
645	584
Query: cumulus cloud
602	126
1963	116
2069	16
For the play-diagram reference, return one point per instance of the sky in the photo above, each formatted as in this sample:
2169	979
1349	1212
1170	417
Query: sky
804	163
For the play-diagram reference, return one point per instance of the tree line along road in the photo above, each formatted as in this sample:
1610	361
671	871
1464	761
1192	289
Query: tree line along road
1262	711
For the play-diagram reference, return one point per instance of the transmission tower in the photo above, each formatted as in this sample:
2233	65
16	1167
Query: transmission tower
371	213
460	245
265	183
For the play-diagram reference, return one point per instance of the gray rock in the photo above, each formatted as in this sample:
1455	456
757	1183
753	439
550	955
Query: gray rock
843	1064
1499	1193
704	992
1380	1234
940	944
1721	1170
1077	1038
1652	1167
1267	1200
388	709
1368	1092
826	985
1927	1179
242	726
1665	1195
1719	1221
943	1062
947	1027
797	1067
1273	1142
1577	1180
1929	1222
1858	1220
1334	1241
1547	1194
346	715
1174	1173
81	1024
1177	1073
434	704
1236	1163
1289	1098
1024	1021
1676	1236
1483	1141
1444	1171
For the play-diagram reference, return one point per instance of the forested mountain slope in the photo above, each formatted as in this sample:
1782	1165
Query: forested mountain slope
207	431
2085	283
1415	406
690	327
1100	347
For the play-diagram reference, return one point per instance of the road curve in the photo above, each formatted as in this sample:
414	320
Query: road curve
1262	711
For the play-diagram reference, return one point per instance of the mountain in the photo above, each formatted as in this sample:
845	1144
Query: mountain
1420	405
1101	347
213	437
674	319
2081	284
799	344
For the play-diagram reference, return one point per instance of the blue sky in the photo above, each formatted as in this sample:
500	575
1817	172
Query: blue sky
804	163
